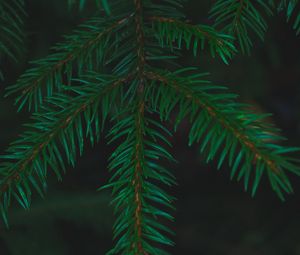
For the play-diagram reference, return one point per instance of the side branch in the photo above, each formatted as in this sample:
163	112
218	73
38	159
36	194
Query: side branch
30	157
241	17
216	113
79	49
171	30
228	123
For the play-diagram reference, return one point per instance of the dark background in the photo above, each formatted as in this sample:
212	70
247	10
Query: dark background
214	216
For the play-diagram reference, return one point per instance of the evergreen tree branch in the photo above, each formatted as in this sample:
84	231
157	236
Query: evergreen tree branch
239	17
239	134
11	29
85	49
169	31
134	34
62	122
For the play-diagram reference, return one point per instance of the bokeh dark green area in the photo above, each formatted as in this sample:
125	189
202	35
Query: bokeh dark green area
214	216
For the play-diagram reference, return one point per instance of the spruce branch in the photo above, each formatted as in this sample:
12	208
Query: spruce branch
170	31
58	129
85	50
239	134
131	95
239	17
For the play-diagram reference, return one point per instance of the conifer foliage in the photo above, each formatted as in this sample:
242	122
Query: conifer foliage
121	67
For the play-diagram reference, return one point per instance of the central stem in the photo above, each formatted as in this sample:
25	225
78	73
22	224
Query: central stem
137	244
141	60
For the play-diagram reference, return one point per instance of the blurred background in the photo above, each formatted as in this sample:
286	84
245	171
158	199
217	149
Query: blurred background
214	216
